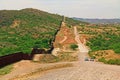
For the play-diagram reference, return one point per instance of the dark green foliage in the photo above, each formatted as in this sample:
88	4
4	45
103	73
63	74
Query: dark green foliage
110	61
73	46
100	42
102	60
108	38
34	29
114	61
44	43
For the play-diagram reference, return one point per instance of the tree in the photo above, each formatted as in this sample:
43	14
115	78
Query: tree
73	46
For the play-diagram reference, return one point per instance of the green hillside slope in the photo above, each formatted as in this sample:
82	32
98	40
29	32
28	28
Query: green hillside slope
102	37
22	30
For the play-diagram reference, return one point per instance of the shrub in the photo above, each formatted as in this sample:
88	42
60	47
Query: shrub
114	61
73	46
111	61
102	60
36	29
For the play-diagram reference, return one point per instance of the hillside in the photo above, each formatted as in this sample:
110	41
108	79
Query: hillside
99	21
103	40
23	30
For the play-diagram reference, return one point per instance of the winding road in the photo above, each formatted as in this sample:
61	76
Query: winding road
83	70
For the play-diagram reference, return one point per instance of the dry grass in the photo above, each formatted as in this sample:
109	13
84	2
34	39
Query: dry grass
46	58
5	70
107	54
68	56
63	56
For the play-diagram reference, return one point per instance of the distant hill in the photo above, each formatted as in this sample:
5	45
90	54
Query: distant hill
99	21
22	30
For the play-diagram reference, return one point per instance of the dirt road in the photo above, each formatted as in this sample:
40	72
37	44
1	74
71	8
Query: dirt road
83	70
65	38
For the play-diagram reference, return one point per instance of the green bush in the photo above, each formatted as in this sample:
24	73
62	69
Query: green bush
35	29
100	43
114	61
73	46
110	61
102	60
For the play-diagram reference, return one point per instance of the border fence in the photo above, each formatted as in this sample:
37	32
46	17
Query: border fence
12	58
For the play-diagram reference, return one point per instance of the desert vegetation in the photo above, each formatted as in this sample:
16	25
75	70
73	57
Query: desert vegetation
73	46
63	56
23	30
101	38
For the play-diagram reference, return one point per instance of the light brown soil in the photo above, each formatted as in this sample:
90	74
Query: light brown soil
64	38
25	69
83	70
21	67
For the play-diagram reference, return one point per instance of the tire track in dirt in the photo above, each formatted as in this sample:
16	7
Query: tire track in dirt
64	39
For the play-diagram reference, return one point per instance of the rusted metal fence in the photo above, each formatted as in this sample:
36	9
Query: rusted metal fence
12	58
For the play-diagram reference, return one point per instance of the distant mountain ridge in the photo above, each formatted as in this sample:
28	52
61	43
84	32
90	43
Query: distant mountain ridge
99	21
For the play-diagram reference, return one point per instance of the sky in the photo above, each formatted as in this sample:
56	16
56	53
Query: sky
71	8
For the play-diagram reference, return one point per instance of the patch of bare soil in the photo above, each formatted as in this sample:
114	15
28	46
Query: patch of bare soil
84	70
64	38
21	68
25	69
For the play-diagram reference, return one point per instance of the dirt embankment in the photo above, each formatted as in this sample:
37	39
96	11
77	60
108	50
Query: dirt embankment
65	37
84	70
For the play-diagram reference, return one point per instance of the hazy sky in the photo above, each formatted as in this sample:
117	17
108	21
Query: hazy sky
71	8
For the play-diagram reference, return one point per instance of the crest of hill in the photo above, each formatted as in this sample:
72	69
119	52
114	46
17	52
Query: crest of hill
22	30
